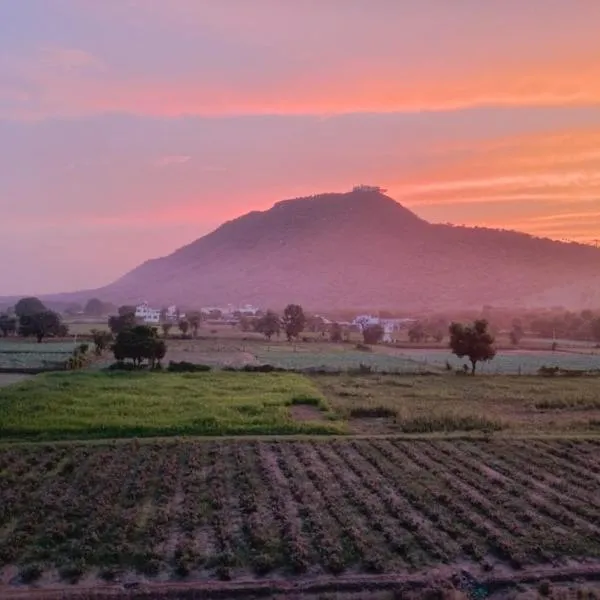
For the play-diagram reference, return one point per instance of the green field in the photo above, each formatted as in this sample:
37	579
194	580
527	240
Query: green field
103	405
507	362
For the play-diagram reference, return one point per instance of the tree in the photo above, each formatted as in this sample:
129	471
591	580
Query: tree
473	341
294	321
8	325
335	335
122	322
94	308
166	329
245	323
184	327
373	334
29	306
101	340
416	333
595	330
41	325
126	309
268	325
138	344
194	318
516	333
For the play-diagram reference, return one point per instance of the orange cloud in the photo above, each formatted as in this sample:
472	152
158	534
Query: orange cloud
542	184
70	82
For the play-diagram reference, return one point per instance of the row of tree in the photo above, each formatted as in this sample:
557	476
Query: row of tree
32	319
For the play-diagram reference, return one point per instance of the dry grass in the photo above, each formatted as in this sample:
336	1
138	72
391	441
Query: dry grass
425	404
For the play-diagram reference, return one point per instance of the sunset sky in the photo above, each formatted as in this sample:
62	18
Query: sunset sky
131	127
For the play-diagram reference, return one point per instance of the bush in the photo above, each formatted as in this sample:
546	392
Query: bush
306	400
71	573
30	573
545	371
372	412
363	347
187	367
122	366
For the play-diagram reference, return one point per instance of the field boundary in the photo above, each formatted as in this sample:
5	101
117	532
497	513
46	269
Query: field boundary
317	585
312	437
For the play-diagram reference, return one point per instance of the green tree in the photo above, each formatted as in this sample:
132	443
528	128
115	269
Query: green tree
122	322
516	333
166	329
41	325
416	333
8	325
472	341
294	321
184	327
335	334
195	319
373	334
29	306
101	340
268	325
94	308
126	309
138	344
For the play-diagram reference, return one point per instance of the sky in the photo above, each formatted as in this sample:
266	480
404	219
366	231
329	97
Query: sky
129	128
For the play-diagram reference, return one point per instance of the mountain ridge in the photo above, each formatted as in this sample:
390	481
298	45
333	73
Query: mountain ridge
357	249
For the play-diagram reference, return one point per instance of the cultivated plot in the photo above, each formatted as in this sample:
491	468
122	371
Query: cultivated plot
226	509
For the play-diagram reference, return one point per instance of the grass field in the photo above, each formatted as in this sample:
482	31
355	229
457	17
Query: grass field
88	405
103	405
225	509
427	404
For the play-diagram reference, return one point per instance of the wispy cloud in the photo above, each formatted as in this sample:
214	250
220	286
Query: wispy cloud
173	159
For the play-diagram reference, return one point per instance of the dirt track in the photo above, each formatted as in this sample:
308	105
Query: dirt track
492	585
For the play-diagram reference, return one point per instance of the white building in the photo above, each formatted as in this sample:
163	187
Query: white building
147	314
173	314
390	326
369	188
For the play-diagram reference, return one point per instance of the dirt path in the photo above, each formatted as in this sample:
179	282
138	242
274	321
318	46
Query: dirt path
456	574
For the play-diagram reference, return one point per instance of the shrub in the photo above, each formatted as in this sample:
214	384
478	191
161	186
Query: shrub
30	573
71	572
306	400
363	347
545	371
187	367
372	412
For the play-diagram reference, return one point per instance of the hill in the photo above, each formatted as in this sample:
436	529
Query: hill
362	249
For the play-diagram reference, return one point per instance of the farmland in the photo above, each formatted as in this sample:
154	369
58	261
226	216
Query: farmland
322	355
447	403
222	510
102	405
89	405
30	355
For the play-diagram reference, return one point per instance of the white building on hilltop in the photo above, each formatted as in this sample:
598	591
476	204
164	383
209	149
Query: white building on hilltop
147	314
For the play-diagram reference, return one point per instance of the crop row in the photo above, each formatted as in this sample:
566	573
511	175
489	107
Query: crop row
221	509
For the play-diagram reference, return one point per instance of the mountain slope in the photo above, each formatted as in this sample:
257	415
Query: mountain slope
361	249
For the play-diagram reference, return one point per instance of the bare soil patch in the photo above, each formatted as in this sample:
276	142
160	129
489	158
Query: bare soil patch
305	412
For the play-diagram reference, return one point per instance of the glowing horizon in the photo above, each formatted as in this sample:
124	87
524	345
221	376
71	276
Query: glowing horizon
129	129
